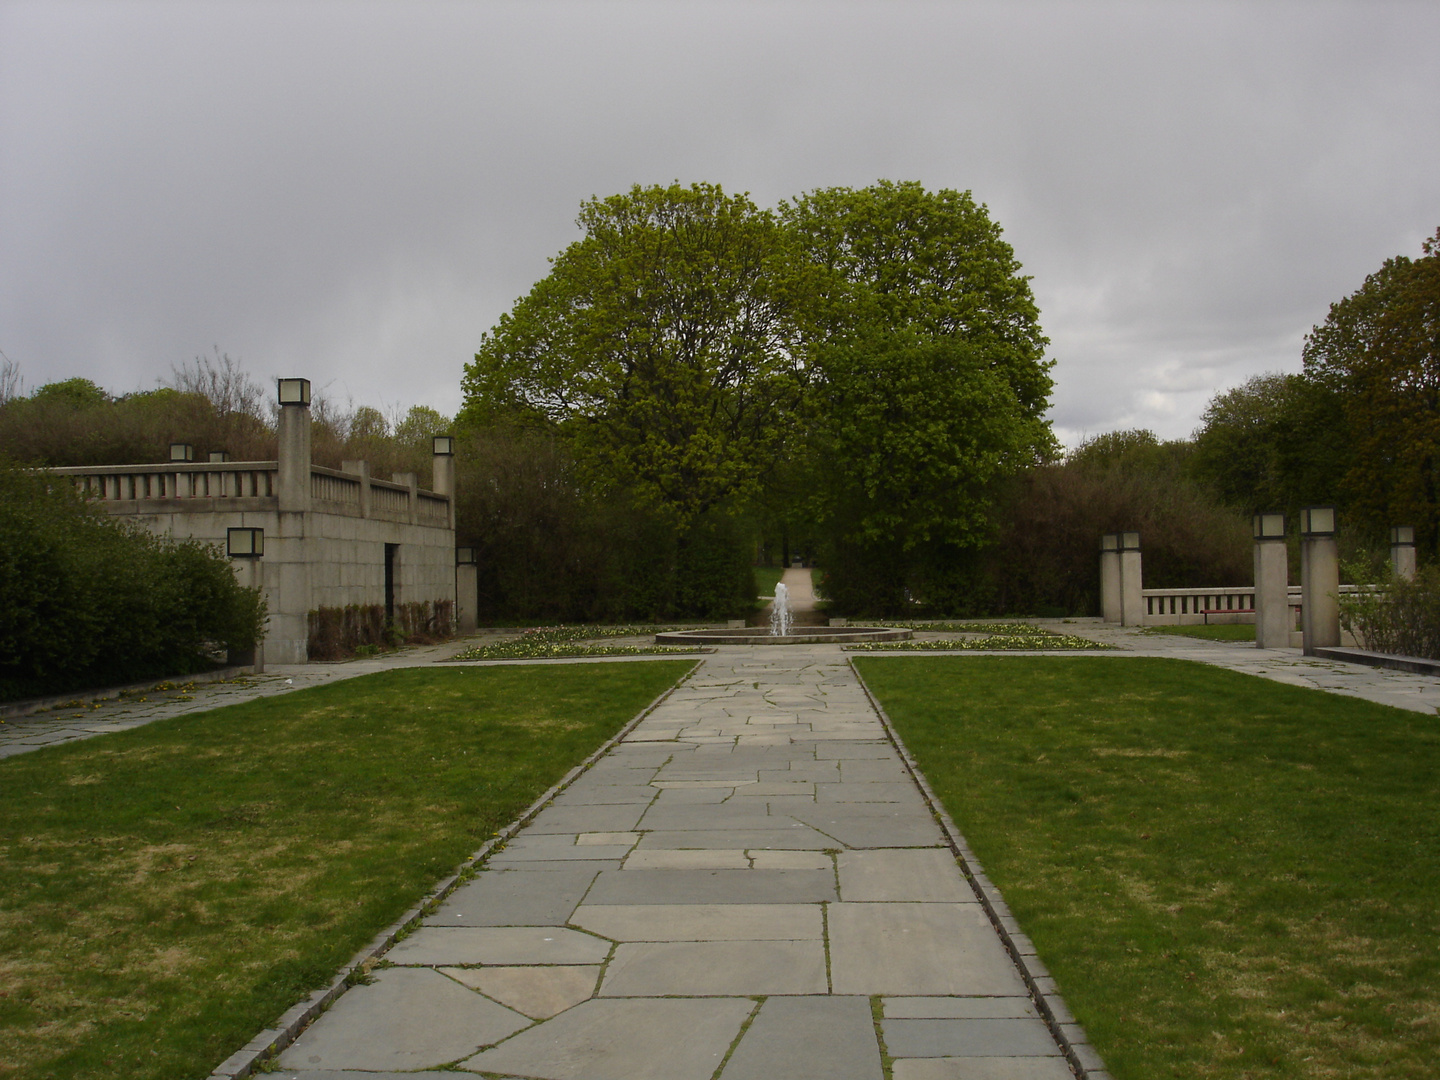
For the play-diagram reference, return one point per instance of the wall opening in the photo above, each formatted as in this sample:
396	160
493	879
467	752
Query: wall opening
392	553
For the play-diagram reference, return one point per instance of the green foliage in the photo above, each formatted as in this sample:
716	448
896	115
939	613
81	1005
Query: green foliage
662	343
1397	616
928	388
901	263
856	373
1379	350
1052	518
89	601
72	393
553	546
1277	442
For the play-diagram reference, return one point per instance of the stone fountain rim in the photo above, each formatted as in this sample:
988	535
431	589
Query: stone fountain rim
809	635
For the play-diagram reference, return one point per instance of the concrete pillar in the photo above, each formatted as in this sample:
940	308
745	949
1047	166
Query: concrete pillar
1110	577
467	599
362	470
1272	583
1402	552
1319	579
289	551
293	486
250	573
1132	600
443	471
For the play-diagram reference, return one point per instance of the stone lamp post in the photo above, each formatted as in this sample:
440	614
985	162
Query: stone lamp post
1319	579
1402	552
1272	583
246	548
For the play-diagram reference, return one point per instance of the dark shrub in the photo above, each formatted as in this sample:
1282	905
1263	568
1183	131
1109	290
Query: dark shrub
88	600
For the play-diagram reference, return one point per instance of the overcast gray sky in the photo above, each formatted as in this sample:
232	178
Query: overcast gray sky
354	192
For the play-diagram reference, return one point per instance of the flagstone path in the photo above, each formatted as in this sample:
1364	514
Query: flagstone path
749	886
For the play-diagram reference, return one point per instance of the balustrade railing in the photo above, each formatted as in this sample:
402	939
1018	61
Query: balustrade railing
339	492
209	480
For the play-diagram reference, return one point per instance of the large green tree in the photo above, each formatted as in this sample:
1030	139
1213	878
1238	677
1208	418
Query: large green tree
928	382
1379	350
664	344
1276	442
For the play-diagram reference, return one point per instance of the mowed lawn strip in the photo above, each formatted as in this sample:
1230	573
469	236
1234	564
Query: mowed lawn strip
167	892
1228	877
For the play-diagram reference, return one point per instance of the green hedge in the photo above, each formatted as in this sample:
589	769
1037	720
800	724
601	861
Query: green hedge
1397	616
88	600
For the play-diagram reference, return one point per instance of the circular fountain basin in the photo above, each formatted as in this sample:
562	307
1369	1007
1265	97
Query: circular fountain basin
802	635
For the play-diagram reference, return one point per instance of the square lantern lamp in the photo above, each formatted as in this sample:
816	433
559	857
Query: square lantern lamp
444	445
464	556
219	455
1317	521
1129	541
1402	536
244	543
294	391
1269	526
1110	542
182	451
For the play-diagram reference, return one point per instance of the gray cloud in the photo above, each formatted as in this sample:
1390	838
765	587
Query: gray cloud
355	192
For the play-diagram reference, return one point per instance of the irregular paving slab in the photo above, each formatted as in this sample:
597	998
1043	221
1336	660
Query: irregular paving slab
968	1038
789	860
406	1019
716	968
928	874
976	1068
808	1038
695	907
623	1039
450	945
689	859
538	992
564	818
957	1008
515	898
789	836
702	922
918	949
712	887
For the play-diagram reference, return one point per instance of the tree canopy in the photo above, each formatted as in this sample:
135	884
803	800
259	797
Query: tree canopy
877	349
664	343
1379	350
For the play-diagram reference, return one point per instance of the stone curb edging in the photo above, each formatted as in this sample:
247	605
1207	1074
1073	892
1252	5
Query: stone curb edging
271	1041
1079	1054
1415	665
28	706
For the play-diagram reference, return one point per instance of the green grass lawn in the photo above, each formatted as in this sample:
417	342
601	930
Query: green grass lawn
766	578
1228	877
167	892
1220	632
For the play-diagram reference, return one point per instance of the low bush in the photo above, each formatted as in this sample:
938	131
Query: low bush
1397	616
91	601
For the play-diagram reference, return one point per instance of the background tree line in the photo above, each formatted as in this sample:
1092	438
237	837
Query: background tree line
857	375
